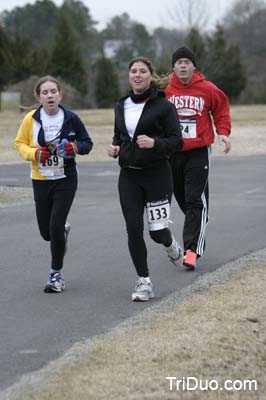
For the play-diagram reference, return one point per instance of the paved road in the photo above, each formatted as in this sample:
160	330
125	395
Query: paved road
36	327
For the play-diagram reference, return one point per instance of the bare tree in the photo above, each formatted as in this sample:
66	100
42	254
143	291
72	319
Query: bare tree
188	14
243	11
246	25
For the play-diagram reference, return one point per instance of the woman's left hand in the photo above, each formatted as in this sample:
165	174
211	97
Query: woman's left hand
145	142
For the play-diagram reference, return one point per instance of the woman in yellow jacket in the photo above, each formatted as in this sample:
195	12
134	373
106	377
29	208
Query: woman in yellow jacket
50	137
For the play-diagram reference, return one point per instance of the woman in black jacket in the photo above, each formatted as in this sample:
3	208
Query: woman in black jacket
147	132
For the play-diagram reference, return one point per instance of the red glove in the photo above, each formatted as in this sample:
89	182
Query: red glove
70	149
42	155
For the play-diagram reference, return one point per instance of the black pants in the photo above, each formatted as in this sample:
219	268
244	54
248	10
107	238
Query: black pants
136	188
190	177
53	199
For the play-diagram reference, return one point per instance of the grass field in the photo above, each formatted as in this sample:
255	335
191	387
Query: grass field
248	132
98	122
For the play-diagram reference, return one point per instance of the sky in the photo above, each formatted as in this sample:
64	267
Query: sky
151	13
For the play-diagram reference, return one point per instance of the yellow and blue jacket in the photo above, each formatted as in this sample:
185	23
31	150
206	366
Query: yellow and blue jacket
31	136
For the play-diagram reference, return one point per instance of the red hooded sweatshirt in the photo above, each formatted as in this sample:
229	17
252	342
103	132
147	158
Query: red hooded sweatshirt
198	103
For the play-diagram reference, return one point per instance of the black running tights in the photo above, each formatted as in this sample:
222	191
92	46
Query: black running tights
53	199
136	188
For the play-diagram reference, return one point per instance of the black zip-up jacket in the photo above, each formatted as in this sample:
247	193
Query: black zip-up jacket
159	120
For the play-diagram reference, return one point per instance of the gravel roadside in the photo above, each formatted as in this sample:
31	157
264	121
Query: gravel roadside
36	385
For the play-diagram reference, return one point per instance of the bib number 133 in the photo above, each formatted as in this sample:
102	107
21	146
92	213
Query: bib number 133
158	213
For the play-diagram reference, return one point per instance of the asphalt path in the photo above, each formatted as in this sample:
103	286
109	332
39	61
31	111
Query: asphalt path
36	327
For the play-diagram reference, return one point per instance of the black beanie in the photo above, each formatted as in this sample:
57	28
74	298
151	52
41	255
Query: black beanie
183	52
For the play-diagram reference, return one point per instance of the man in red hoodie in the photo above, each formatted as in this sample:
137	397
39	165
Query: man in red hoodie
201	107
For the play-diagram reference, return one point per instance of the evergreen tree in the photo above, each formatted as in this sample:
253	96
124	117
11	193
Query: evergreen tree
118	28
196	42
223	65
118	31
164	43
83	24
40	62
35	22
106	84
235	73
21	58
141	41
66	59
4	59
130	38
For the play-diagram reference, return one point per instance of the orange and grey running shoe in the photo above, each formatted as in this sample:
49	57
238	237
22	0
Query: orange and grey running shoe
189	260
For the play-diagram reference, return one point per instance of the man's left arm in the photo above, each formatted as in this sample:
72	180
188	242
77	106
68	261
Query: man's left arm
222	118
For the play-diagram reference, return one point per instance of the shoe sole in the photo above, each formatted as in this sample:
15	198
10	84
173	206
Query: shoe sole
49	289
189	267
176	262
139	297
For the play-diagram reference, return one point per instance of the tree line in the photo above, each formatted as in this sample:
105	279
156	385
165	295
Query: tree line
41	38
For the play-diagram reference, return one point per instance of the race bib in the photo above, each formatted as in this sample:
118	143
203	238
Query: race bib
53	167
158	214
188	128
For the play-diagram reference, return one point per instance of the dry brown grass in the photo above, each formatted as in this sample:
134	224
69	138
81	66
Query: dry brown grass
217	335
98	122
248	132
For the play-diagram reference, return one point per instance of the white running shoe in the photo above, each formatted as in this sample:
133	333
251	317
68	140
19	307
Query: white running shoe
175	253
143	290
55	284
